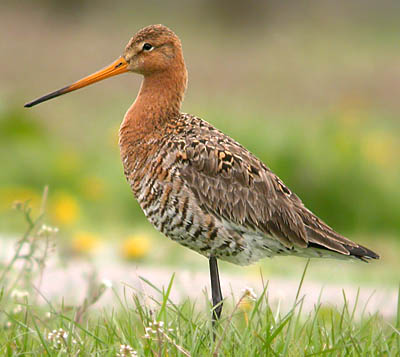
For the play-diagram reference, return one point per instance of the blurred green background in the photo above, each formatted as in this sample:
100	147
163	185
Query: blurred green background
312	88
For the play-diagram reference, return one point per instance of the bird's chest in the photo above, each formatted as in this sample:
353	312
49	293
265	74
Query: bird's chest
170	206
172	210
154	179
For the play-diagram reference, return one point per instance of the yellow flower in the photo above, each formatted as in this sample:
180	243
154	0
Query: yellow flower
135	247
65	209
13	193
85	242
380	148
92	187
247	300
246	303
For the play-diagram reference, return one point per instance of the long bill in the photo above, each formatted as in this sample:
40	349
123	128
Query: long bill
117	67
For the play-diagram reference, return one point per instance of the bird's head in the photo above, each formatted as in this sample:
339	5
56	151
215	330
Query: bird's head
152	50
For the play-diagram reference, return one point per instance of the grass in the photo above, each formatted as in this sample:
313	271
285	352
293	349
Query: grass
150	326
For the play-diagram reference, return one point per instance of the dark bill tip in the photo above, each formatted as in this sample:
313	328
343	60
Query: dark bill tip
46	97
117	67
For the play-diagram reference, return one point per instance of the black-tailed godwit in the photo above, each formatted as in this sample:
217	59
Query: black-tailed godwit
195	184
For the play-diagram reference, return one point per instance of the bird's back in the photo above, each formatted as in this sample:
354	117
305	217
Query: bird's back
207	192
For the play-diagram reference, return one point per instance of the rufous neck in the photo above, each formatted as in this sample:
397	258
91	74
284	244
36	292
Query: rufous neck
160	96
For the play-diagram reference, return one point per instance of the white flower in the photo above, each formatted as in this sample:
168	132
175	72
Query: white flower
63	333
107	283
19	294
126	351
157	325
17	309
249	293
153	328
58	338
47	229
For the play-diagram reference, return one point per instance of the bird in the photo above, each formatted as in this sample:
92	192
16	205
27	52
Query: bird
197	185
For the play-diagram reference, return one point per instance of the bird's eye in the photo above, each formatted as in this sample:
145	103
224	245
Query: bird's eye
147	47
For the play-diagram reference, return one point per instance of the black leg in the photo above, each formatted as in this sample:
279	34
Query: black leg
215	289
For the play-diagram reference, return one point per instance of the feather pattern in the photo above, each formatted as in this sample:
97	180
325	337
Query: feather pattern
214	196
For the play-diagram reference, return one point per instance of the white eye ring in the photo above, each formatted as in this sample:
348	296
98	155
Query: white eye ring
147	47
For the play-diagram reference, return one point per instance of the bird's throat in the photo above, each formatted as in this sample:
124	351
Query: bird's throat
159	99
158	102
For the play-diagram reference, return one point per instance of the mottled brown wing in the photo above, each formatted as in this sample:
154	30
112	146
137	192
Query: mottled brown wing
231	183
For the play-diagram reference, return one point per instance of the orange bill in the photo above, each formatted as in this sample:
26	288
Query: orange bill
117	67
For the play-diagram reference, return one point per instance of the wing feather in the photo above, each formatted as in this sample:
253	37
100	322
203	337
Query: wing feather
231	183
